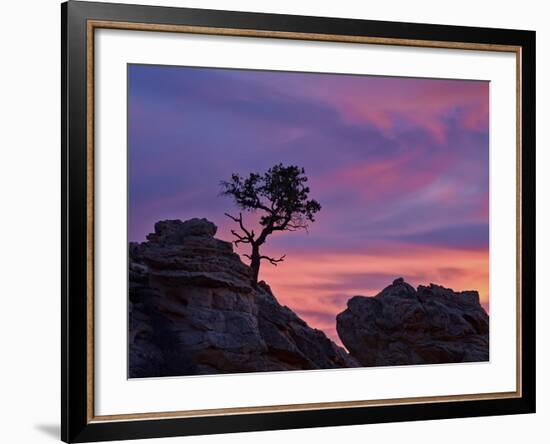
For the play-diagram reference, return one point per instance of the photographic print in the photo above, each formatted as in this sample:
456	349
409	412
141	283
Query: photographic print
284	221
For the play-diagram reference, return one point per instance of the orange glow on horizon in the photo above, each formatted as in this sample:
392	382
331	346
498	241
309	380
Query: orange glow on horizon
318	285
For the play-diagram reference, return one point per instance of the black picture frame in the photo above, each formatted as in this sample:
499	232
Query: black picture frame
76	423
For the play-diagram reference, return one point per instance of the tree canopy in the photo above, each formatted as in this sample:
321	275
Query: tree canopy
281	195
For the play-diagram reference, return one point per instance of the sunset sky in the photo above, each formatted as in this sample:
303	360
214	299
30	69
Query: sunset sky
400	167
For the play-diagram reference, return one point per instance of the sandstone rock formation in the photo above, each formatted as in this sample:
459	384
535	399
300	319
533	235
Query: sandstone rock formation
193	311
401	325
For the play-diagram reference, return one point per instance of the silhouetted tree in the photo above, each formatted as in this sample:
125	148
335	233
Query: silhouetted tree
281	195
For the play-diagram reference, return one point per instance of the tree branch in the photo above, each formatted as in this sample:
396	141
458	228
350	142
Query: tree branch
240	239
273	260
260	206
248	238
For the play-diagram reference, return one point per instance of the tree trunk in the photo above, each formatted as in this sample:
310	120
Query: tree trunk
255	264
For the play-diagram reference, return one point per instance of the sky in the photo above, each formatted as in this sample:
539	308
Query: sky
399	165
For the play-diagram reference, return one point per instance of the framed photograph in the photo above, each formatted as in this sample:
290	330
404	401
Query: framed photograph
275	221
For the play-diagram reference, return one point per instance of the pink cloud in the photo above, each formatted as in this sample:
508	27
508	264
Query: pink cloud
403	174
425	103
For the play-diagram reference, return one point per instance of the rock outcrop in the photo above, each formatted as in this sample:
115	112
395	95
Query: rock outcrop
193	311
401	326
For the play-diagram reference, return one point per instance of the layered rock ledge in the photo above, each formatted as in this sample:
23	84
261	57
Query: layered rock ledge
193	311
